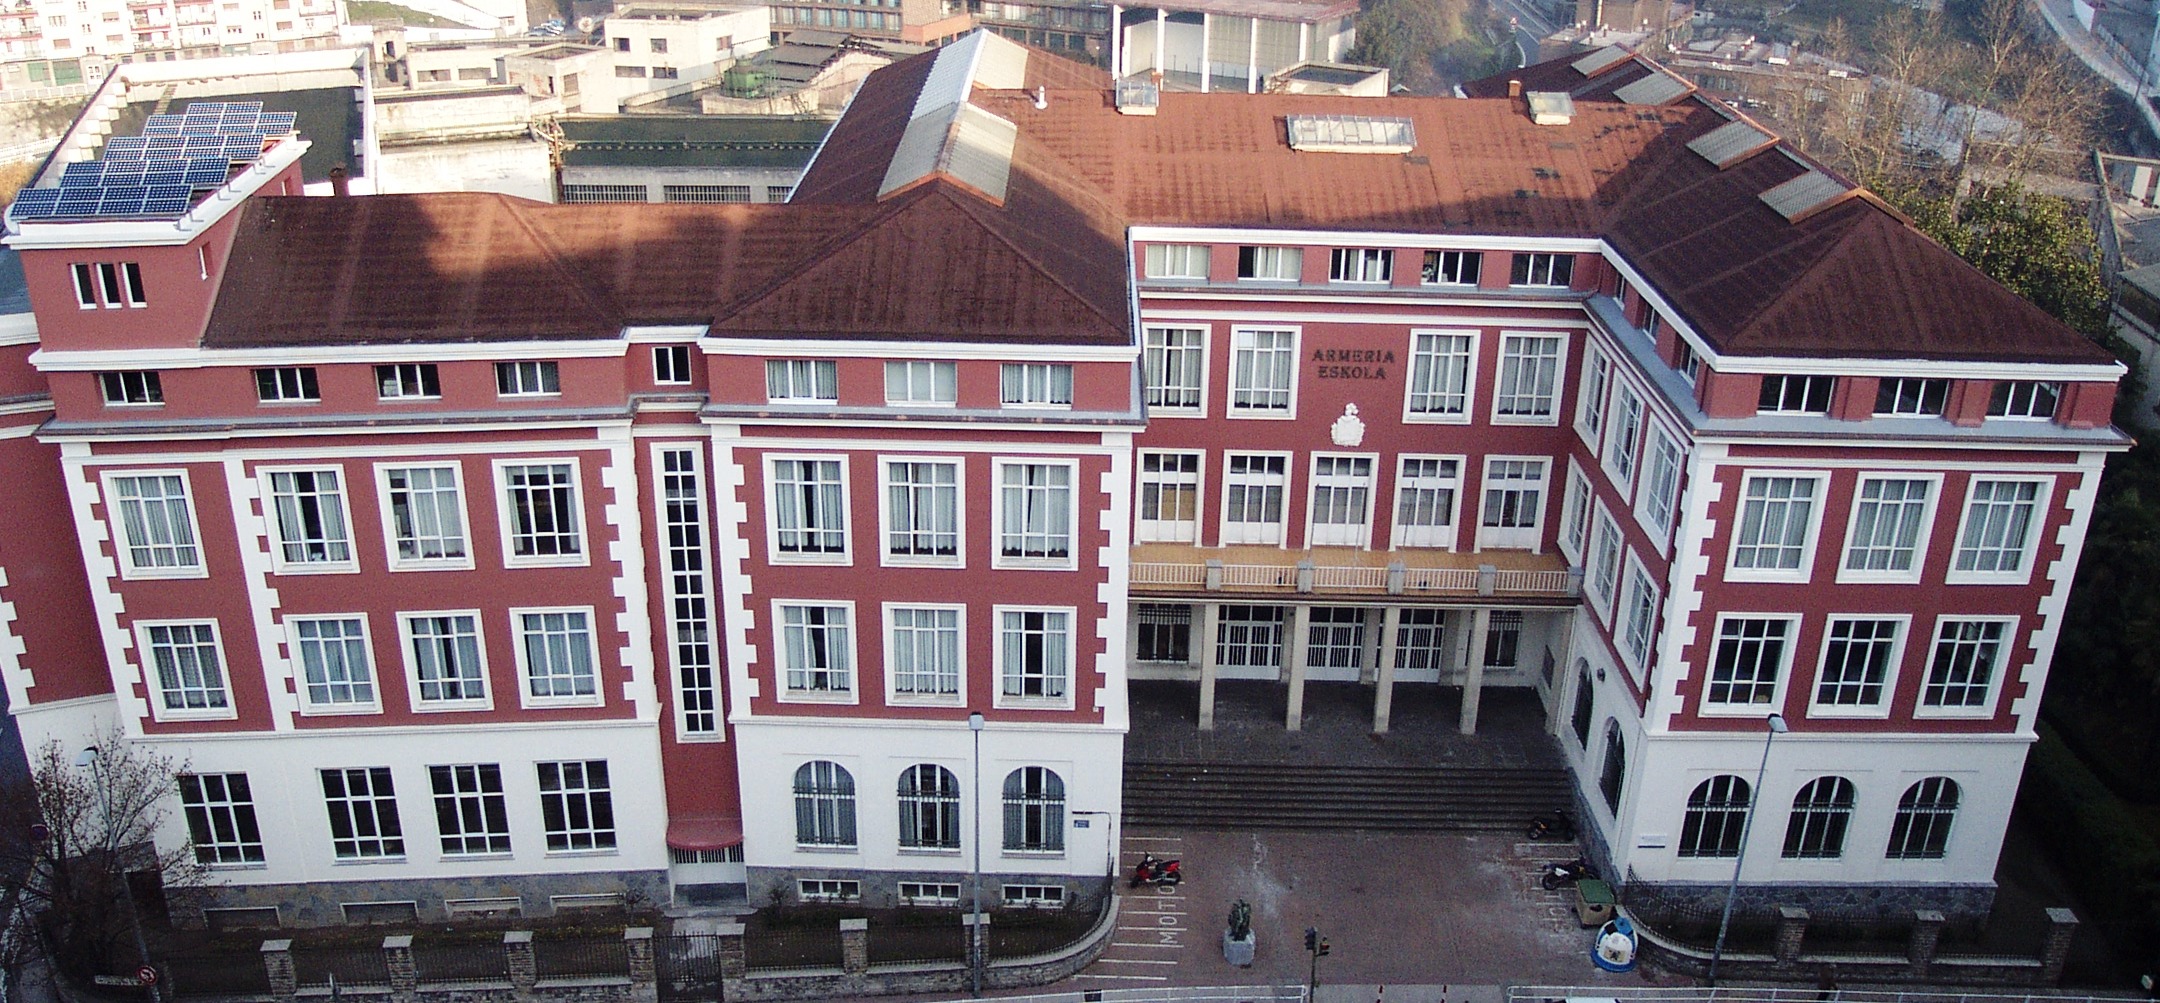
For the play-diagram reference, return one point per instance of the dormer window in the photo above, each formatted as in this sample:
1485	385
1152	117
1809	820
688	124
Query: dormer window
1177	261
1555	271
133	386
1451	268
287	385
1270	264
2024	399
527	379
1361	264
1795	394
110	284
1687	362
1911	397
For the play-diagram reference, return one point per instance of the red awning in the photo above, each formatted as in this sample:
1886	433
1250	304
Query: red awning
704	832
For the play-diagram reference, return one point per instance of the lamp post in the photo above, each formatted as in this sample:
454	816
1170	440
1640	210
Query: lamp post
977	943
1774	725
93	760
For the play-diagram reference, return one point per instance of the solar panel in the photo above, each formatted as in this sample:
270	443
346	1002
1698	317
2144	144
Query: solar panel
168	200
125	200
77	202
166	144
207	172
35	203
86	172
165	173
278	121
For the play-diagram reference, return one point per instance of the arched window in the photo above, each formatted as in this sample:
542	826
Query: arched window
1716	816
1614	772
1922	827
1820	813
824	805
1034	810
1583	697
929	808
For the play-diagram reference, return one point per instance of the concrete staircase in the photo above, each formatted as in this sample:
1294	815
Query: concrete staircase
1274	796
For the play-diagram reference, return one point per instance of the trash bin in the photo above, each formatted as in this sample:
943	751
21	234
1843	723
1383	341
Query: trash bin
1593	902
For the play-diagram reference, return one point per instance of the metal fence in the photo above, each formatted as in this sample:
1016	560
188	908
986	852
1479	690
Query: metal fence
1646	994
894	943
688	967
1175	994
314	967
583	956
214	975
1017	934
772	949
459	963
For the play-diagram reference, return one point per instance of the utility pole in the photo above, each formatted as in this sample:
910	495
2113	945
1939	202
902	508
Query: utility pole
1317	946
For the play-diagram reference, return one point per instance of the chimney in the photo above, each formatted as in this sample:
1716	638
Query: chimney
1042	98
1514	88
338	185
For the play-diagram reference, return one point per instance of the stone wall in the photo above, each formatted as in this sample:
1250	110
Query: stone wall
321	903
1957	903
776	886
1790	959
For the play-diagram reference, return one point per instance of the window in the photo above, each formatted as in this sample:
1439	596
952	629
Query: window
1425	492
190	673
337	671
1035	384
1795	395
220	813
1590	408
929	808
1639	613
1175	358
1858	656
1585	702
1612	774
827	889
1909	397
526	379
1776	525
1451	268
1687	362
1164	633
1440	375
1335	637
407	381
287	385
1603	575
1716	816
1661	486
622	45
789	380
1623	442
1889	516
1921	829
671	364
1514	503
628	72
778	193
1035	511
310	518
427	516
927	893
363	813
1271	264
1421	643
1263	371
543	512
157	524
1341	501
1253	488
1169	497
1556	270
132	386
923	658
1820	814
576	806
1529	377
109	284
1034	896
1034	652
1750	659
470	812
682	523
659	45
1177	261
1034	811
1361	264
824	805
556	647
809	507
446	658
1249	637
817	650
2024	399
1997	538
921	383
922	510
1961	674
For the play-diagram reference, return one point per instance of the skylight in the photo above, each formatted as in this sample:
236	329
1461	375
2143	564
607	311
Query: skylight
1351	134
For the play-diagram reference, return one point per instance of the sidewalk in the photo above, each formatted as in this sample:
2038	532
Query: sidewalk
2059	18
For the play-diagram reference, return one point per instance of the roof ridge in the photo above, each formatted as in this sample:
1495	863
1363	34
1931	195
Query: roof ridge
885	210
1054	275
602	306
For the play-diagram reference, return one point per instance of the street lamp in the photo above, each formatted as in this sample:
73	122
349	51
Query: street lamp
92	760
977	943
1774	725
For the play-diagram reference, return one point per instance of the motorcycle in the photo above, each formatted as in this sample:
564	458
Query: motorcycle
1560	826
1559	875
1153	870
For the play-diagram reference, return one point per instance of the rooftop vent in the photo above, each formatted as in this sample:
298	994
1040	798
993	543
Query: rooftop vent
1551	108
1601	60
1137	97
1351	134
1806	195
1731	143
1655	89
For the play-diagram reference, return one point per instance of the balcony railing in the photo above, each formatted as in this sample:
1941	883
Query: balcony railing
1318	575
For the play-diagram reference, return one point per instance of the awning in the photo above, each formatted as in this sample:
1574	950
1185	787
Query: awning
704	832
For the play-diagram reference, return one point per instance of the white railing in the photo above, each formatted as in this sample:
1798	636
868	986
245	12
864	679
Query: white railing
1394	579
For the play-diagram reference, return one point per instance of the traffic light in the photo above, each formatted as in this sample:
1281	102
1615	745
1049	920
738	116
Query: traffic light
1323	952
1312	938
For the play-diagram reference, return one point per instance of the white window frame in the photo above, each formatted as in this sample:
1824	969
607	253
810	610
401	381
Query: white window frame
1074	523
1439	257
1198	370
908	368
1028	375
287	385
1399	535
1175	261
265	478
1289	483
1360	263
486	700
2012	409
1372	496
1784	669
476	796
528	382
1928	511
682	508
1879	709
958	558
1461	415
1800	575
1786	382
156	687
421	374
1591	393
1578	515
896	697
2006	655
146	385
506	527
1635	627
817	370
1003	701
1289	410
1657	505
773	553
852	647
1536	533
1559	377
117	528
1607	544
1551	262
603	838
518	635
1147	530
1622	451
1919	410
294	644
1283	254
383	491
664	370
2042	498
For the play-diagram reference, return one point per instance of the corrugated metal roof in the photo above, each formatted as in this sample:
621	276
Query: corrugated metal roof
1804	195
1655	89
921	147
951	75
1351	134
1601	60
979	154
1731	143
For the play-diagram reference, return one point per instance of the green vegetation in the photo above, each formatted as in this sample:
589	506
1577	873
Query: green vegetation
2108	853
1428	46
372	11
2038	246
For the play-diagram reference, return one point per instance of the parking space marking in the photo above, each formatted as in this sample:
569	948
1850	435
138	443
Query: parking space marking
1124	978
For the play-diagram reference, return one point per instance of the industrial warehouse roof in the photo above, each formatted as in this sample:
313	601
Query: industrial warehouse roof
691	140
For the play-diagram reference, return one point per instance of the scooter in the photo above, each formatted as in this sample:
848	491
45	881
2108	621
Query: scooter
1153	870
1559	875
1560	826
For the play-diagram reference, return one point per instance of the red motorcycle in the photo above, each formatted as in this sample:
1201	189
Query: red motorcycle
1153	870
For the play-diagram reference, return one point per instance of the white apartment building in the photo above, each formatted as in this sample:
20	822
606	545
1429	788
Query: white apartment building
49	43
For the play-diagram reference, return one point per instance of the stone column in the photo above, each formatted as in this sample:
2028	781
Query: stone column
1792	922
1210	625
518	953
2062	929
733	964
1926	934
855	946
1473	683
1294	644
978	939
278	964
1384	683
398	961
638	944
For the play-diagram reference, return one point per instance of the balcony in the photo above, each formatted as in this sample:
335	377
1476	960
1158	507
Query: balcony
1174	569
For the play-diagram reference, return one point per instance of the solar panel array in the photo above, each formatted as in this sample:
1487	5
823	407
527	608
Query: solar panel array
158	173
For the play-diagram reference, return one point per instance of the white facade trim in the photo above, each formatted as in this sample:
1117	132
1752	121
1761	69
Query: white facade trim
1154	233
2079	502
